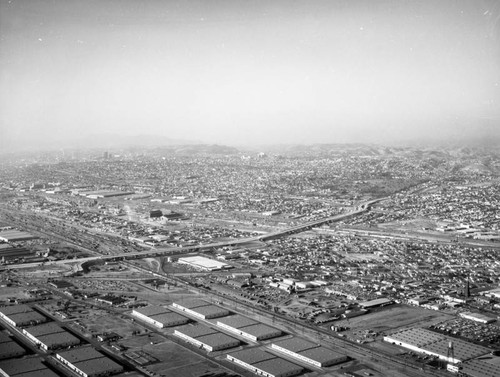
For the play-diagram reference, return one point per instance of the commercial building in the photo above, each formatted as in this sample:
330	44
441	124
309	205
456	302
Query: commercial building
21	315
248	328
88	362
201	309
205	264
205	337
264	363
308	352
13	235
26	367
434	344
50	336
159	316
9	348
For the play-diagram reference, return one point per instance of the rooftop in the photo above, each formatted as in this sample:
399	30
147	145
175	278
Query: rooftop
195	331
295	344
279	366
237	321
80	354
252	355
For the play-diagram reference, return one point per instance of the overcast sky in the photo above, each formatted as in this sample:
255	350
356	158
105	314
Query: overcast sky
243	71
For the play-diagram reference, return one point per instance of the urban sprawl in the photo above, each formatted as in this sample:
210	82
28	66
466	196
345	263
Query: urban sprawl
206	261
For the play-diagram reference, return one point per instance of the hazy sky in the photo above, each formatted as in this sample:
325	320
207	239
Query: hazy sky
238	71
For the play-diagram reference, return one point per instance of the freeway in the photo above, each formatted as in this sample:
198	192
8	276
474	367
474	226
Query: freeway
153	252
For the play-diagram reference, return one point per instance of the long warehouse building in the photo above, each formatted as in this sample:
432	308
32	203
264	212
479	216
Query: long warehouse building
21	315
309	352
205	337
26	367
248	328
88	362
264	363
201	309
434	344
50	336
159	316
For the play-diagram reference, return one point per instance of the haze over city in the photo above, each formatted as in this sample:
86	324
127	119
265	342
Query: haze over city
240	72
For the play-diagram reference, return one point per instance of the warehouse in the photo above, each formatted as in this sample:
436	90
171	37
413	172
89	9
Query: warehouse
159	316
264	363
88	362
201	309
10	253
21	315
248	328
27	367
9	348
462	350
50	336
478	317
205	264
16	236
308	352
375	303
206	337
434	344
489	367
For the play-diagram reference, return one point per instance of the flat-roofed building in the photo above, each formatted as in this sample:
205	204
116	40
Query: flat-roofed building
21	315
264	363
309	352
50	336
201	309
477	317
88	362
9	348
159	316
205	264
482	367
26	367
16	236
462	350
248	328
206	337
374	303
434	344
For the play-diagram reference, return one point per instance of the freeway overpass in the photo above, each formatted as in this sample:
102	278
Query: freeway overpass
363	207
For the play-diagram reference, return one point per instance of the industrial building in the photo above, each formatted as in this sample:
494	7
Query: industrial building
425	341
13	235
159	316
477	317
308	352
483	367
264	363
205	264
26	367
88	362
374	303
9	348
11	253
201	309
21	315
248	328
50	336
206	337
